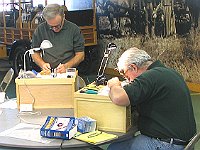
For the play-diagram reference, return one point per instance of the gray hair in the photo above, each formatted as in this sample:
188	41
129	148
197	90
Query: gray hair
133	56
52	10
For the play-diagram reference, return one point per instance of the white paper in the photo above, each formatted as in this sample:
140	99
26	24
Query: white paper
104	91
12	104
59	75
26	131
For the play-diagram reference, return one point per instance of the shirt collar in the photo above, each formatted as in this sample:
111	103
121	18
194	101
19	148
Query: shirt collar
156	63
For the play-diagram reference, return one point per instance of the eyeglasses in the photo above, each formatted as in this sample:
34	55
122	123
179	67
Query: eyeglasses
55	27
122	71
90	135
94	134
59	26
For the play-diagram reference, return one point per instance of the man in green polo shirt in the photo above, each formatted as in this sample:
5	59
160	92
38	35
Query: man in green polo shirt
66	38
163	101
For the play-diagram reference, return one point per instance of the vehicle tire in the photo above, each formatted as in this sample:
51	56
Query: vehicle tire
18	59
90	63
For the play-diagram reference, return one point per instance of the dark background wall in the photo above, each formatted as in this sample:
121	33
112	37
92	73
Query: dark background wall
173	39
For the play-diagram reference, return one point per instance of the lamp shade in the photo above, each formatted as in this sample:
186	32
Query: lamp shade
46	44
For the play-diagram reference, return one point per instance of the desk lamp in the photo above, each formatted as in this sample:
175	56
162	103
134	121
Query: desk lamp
44	45
101	79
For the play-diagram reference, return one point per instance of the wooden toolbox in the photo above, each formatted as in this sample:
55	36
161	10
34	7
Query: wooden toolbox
109	117
46	92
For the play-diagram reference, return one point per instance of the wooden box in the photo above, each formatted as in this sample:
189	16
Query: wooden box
194	87
3	52
46	92
109	117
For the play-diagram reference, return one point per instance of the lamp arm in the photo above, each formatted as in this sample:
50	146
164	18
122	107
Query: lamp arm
31	51
100	76
25	60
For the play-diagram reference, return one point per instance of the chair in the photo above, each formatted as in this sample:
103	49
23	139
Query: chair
80	83
6	80
193	141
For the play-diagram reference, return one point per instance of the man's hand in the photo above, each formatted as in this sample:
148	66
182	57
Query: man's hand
117	94
61	68
46	67
114	82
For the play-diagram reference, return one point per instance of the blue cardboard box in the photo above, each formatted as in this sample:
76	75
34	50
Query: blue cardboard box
59	127
86	124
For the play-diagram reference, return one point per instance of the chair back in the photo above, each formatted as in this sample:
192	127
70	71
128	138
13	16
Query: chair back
193	141
6	80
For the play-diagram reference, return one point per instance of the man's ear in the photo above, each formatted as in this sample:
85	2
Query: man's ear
133	67
130	67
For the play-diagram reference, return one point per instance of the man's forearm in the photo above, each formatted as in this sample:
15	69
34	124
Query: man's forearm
75	61
38	59
118	95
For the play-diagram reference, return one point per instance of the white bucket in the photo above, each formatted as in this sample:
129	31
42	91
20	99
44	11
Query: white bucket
2	97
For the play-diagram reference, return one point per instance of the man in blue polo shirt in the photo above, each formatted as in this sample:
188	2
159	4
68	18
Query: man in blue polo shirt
163	101
65	36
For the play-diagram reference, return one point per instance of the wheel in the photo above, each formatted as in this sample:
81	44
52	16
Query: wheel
90	63
18	60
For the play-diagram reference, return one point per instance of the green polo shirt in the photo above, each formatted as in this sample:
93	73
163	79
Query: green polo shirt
164	103
65	43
